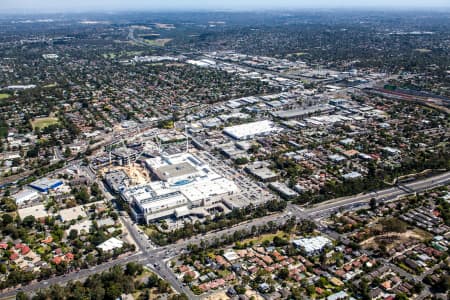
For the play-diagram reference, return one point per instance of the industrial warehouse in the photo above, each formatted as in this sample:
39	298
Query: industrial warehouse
250	130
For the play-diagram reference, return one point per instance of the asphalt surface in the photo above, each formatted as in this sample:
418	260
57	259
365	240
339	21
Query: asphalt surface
156	257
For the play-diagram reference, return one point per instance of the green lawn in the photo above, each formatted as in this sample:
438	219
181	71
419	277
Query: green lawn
265	237
4	96
158	42
109	55
52	85
43	122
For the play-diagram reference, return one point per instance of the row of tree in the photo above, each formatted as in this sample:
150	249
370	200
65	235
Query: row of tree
219	222
107	285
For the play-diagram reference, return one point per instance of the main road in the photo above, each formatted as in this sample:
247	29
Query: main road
156	258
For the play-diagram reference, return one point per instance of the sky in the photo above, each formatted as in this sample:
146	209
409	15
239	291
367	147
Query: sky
20	6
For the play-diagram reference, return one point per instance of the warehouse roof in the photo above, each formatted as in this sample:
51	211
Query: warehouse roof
110	245
249	130
296	113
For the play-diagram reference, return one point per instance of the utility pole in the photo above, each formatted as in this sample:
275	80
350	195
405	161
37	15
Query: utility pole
187	138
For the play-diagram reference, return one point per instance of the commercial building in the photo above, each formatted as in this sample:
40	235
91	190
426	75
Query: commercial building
352	175
38	211
283	190
262	172
250	130
313	245
340	296
21	87
117	180
347	142
391	151
26	196
72	213
110	245
185	186
337	158
303	112
338	102
146	205
50	56
46	184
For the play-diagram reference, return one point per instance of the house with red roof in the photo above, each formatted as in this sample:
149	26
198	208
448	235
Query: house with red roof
267	259
47	240
19	246
184	268
69	256
319	290
25	250
14	255
57	260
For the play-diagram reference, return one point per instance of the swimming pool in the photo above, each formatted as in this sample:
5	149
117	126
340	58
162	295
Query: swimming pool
182	182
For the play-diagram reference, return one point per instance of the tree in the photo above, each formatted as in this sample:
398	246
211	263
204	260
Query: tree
82	195
283	274
67	152
187	278
113	291
401	296
7	219
28	221
114	216
133	269
95	190
73	234
179	297
22	296
373	204
279	242
9	205
240	289
393	225
241	161
98	293
163	286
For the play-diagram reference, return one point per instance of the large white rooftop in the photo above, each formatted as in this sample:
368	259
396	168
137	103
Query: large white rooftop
312	244
25	196
249	130
110	244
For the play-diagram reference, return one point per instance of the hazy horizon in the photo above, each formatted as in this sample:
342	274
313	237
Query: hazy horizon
49	6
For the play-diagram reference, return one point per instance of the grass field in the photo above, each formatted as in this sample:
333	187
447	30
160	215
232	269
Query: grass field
4	96
158	42
109	55
43	122
51	85
148	230
265	237
395	238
